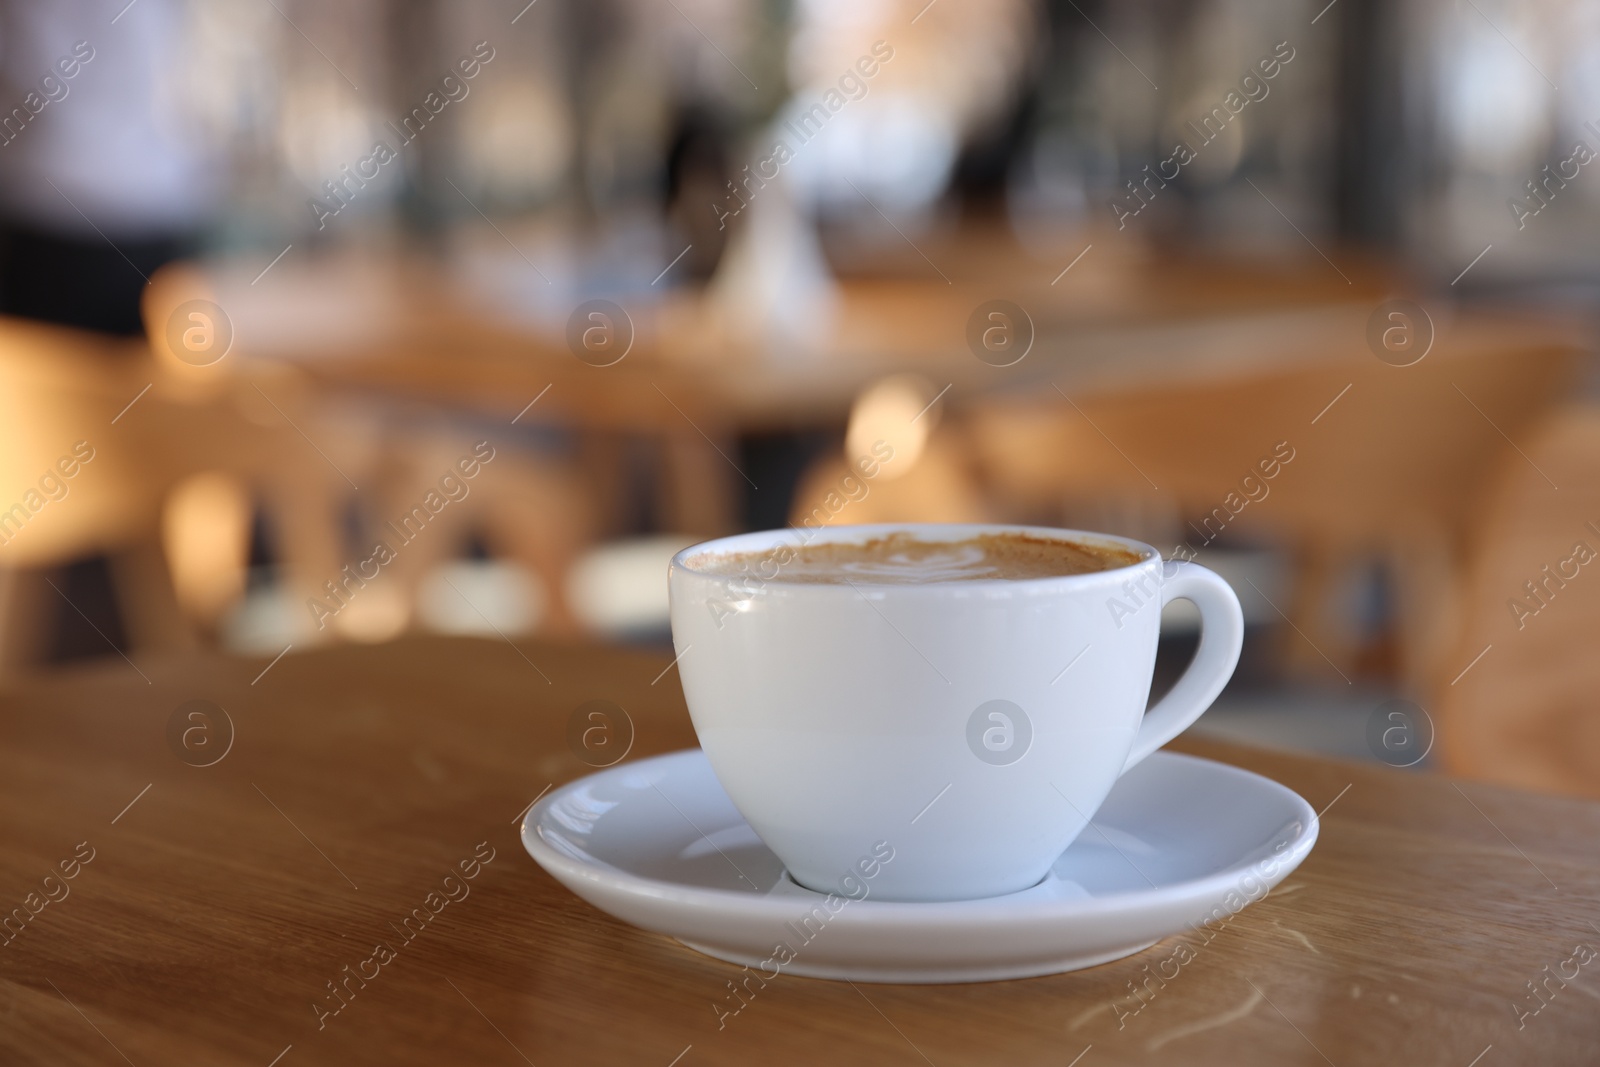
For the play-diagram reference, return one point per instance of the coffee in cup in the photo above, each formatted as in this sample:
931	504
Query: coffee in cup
900	558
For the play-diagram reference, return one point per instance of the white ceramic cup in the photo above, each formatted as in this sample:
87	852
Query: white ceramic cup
975	726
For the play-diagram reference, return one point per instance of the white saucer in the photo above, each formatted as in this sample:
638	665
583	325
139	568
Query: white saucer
1180	841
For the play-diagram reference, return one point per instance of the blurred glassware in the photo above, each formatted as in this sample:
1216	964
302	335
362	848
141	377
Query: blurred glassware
617	588
485	597
889	90
518	143
205	530
773	289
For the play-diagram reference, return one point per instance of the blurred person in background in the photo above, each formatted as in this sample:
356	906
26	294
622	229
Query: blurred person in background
101	179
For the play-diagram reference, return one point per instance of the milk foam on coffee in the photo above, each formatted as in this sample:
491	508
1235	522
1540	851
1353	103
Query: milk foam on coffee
901	559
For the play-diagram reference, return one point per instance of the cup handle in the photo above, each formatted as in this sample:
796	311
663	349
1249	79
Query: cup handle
1221	637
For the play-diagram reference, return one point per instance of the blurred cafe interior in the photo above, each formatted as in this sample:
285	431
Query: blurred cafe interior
338	324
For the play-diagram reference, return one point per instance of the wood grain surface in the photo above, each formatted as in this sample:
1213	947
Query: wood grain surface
217	902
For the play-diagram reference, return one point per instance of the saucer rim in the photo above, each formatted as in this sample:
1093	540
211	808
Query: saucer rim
615	881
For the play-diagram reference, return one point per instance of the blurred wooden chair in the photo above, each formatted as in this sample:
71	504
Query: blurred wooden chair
70	487
211	463
99	459
1386	463
526	507
1516	701
244	432
180	456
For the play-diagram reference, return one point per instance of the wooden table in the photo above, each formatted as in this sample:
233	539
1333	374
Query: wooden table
220	900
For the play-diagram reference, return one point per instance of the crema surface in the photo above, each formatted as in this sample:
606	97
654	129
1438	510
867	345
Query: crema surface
903	559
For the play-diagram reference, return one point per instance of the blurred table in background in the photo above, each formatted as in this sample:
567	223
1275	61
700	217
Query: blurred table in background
427	329
221	901
1148	370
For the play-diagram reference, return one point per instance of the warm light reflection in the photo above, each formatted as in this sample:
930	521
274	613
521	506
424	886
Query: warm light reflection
896	410
206	535
379	614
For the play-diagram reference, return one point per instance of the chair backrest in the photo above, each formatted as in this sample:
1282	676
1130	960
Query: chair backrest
1517	702
97	439
1399	446
61	392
